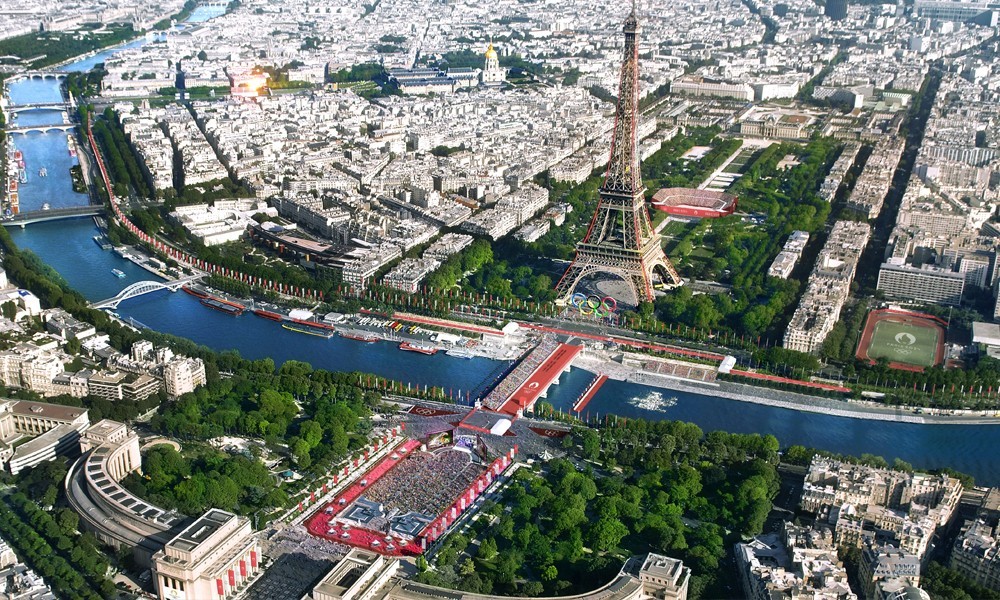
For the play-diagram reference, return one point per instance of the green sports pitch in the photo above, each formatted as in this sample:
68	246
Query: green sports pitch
905	343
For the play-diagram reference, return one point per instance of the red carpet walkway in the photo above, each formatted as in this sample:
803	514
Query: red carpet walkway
536	384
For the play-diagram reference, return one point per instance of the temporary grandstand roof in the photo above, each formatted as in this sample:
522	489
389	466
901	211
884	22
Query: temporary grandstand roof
501	427
450	338
435	427
986	333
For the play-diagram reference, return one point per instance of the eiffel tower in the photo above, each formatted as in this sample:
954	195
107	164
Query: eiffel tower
620	239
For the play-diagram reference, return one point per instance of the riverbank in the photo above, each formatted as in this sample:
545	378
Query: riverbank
80	58
628	370
599	362
853	409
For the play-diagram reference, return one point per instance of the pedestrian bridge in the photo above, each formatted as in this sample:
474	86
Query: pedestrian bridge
141	288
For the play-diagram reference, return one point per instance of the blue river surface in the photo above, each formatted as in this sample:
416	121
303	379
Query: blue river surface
90	62
47	150
69	248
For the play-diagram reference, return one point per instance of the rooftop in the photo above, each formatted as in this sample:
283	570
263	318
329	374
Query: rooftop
47	411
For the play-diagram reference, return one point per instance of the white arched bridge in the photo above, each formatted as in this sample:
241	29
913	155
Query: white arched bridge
141	288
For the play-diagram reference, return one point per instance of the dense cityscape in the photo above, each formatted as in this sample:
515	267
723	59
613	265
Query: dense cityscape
401	299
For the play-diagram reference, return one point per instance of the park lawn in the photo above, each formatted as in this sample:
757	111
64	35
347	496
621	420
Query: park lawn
702	252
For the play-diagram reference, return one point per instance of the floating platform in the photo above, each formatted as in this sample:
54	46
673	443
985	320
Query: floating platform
589	393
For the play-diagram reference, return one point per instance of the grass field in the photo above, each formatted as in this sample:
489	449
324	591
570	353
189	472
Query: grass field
905	343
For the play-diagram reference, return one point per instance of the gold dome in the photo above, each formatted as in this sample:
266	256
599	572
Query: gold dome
490	52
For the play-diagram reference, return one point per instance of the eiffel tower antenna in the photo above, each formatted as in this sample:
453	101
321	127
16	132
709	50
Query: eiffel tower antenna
620	239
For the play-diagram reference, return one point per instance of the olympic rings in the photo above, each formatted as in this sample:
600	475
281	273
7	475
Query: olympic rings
593	304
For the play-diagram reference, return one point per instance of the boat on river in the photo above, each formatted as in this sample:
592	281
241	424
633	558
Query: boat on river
222	306
308	330
273	316
194	292
418	347
118	273
365	337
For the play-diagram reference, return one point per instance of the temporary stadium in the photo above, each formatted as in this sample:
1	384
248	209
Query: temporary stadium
686	202
411	497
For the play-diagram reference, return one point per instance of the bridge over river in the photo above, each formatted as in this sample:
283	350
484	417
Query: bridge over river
41	128
55	214
141	288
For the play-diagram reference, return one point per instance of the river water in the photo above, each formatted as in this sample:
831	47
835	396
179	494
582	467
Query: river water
68	247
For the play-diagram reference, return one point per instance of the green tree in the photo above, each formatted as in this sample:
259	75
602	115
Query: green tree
68	520
9	310
301	451
311	432
946	584
488	549
549	573
606	534
467	568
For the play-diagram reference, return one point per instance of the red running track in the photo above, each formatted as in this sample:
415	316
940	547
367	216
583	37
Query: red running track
320	526
629	342
809	384
590	393
550	369
692	353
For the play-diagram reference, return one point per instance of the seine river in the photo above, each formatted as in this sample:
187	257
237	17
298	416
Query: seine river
68	247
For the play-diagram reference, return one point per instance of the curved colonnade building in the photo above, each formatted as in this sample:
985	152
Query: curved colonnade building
94	490
212	557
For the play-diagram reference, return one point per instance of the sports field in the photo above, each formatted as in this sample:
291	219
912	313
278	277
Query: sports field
904	339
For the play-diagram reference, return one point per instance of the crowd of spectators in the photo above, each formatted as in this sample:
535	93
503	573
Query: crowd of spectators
295	559
516	378
425	483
